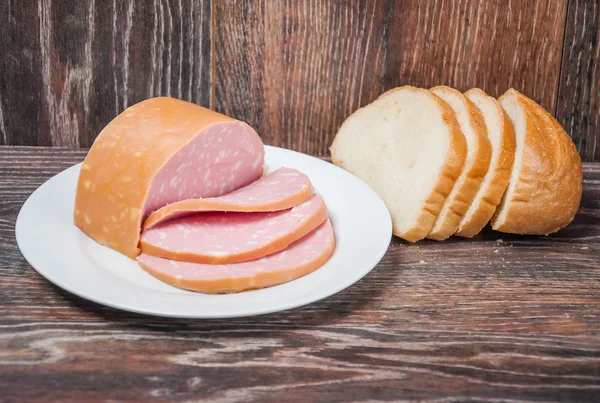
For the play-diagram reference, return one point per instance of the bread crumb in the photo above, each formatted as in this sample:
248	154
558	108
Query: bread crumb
422	262
496	251
499	240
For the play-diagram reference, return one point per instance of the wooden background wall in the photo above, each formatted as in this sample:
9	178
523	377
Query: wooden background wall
292	69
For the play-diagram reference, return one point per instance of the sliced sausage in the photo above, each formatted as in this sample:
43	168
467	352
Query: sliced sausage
221	237
297	260
282	189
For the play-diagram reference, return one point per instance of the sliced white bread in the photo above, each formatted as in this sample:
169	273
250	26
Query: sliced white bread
501	135
544	190
408	147
479	152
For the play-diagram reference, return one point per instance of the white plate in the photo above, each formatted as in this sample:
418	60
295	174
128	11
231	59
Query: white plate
63	254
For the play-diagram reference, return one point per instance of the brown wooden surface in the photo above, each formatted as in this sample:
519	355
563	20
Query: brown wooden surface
294	70
497	318
68	67
579	95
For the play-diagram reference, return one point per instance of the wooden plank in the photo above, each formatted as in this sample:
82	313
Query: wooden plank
494	45
154	360
496	318
21	84
579	92
293	70
69	67
296	70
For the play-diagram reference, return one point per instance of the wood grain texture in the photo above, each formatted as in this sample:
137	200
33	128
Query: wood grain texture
295	71
496	318
493	45
579	92
68	67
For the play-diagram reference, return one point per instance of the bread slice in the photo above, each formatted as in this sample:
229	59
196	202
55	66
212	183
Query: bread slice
501	135
408	147
479	152
544	190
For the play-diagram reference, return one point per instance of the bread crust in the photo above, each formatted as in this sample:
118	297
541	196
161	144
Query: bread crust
479	214
448	221
549	184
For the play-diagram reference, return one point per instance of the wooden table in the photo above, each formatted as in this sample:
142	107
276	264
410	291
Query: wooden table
496	318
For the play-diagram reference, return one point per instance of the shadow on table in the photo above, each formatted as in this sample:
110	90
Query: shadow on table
332	310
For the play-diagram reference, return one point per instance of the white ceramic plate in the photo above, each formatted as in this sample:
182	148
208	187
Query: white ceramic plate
63	254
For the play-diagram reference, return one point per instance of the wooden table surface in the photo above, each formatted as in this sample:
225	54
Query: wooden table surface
496	318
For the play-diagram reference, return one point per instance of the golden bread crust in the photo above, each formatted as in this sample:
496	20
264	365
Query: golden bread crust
549	183
500	175
447	222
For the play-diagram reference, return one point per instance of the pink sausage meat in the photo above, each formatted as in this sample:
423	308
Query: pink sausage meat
225	157
297	260
220	237
280	190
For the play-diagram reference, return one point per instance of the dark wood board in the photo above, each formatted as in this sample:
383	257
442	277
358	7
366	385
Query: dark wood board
578	106
69	67
494	45
496	318
295	71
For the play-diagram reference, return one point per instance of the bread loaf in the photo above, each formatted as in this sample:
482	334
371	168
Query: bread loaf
447	163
